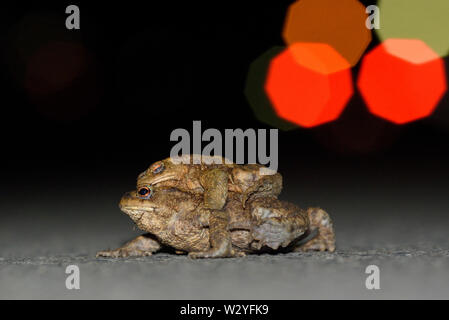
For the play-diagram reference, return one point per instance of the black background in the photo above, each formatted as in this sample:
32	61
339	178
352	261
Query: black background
157	66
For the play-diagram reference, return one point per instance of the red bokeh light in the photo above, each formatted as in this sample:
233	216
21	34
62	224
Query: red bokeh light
309	84
402	80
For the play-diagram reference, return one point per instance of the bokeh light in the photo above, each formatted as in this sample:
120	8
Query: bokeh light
319	57
341	24
256	95
62	82
309	96
404	86
411	50
416	19
52	66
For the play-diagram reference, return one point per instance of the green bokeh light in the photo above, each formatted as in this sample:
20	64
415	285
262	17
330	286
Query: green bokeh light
256	95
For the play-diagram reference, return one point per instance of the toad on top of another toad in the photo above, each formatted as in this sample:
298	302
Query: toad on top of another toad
213	178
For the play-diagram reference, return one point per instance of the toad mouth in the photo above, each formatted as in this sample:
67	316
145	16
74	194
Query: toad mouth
137	212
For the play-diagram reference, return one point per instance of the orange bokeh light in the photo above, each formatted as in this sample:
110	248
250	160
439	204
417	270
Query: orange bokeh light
404	86
309	95
341	24
319	57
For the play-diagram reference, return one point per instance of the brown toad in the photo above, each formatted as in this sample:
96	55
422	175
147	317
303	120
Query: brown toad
212	178
180	220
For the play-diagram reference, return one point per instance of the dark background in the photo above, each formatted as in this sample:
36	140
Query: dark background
154	67
151	67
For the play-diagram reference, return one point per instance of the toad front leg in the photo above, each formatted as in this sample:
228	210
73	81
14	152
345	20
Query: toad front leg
219	238
141	246
215	184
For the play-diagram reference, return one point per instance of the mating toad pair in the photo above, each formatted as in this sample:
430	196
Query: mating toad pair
218	210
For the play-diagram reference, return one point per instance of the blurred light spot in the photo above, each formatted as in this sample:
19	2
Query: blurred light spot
319	57
61	81
341	24
416	19
397	88
411	50
303	95
256	95
54	66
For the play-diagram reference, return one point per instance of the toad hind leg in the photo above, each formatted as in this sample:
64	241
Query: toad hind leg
141	246
276	224
325	238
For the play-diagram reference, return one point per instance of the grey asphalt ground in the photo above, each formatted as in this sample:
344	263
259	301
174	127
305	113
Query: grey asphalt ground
386	221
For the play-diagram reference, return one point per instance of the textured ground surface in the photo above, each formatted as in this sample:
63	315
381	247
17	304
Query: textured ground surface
406	273
402	230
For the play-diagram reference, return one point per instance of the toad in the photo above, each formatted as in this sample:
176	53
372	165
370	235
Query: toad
182	221
212	178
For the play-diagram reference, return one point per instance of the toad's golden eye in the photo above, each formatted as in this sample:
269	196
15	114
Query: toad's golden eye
145	192
157	167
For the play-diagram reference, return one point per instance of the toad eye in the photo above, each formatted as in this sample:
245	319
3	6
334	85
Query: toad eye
157	168
145	192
